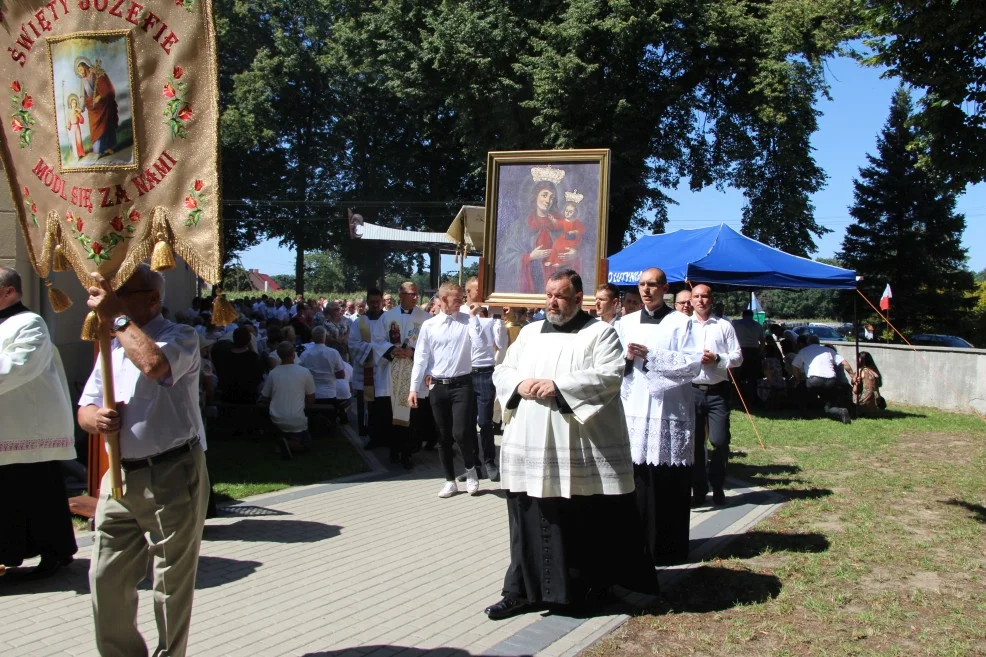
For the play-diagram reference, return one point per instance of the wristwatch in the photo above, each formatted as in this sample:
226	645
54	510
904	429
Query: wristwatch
718	358
121	323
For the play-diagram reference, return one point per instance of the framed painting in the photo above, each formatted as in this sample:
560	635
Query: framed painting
546	211
92	82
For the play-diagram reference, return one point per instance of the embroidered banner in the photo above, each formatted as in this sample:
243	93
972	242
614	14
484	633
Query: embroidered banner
110	137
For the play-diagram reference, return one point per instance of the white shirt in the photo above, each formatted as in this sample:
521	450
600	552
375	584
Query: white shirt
323	362
286	387
718	336
162	414
343	390
444	348
282	314
821	361
488	336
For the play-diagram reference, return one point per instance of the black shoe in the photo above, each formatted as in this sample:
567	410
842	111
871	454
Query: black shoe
507	607
718	497
698	500
846	419
406	462
48	567
284	448
493	472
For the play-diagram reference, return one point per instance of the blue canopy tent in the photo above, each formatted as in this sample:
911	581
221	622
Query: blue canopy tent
721	256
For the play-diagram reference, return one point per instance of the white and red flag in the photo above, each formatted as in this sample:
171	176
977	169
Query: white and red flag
885	299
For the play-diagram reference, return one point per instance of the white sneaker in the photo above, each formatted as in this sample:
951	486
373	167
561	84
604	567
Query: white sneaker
472	481
449	489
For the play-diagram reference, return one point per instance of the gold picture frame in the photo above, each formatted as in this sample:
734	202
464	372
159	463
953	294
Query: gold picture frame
104	99
545	211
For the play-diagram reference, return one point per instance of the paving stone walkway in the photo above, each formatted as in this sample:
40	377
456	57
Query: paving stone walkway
372	566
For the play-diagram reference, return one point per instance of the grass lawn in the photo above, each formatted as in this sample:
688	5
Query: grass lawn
880	551
240	467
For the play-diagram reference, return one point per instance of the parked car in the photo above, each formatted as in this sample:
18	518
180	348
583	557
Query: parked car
823	332
939	340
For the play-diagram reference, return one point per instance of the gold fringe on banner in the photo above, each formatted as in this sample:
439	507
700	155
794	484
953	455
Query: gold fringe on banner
58	260
223	313
60	301
90	328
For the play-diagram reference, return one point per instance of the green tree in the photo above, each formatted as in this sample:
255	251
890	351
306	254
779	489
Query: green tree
937	47
907	232
323	273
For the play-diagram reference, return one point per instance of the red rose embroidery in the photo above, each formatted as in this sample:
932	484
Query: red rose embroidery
185	114
178	72
97	248
28	102
190	203
34	207
15	86
134	216
69	218
169	91
117	223
78	224
16	125
27	192
199	185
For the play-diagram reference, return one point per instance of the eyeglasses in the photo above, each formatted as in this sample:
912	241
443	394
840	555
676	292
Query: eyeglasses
128	293
682	303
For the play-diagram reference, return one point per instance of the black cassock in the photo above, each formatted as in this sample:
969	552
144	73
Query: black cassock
561	548
34	514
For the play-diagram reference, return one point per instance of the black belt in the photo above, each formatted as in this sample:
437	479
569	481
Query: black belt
170	455
710	387
482	370
465	378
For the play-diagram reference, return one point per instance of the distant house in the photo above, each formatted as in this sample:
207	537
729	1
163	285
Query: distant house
263	282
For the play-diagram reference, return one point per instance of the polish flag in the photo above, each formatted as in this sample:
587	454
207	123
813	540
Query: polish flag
885	299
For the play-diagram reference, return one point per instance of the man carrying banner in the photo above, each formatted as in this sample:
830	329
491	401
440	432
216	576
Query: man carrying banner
402	325
166	486
367	330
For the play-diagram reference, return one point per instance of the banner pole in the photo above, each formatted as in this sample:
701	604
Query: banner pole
109	402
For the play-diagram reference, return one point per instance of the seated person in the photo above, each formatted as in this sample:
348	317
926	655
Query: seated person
240	370
867	385
773	387
816	366
290	389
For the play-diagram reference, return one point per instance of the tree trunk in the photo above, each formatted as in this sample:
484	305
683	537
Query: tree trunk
299	268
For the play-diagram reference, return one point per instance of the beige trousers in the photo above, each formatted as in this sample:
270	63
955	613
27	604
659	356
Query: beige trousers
160	516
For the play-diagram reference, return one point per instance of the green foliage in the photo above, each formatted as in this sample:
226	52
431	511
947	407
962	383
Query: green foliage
907	232
236	279
801	304
937	47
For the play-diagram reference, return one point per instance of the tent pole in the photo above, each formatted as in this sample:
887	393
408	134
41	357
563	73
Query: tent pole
855	328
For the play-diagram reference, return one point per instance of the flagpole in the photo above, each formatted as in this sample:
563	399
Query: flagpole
855	328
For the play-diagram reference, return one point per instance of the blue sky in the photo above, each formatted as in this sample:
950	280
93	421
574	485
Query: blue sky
848	129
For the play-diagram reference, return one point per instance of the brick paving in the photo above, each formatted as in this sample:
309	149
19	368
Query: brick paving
371	566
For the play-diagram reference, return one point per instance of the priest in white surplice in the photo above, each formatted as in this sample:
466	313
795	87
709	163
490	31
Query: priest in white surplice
657	397
565	461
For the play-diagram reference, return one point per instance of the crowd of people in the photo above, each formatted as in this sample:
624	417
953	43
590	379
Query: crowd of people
615	422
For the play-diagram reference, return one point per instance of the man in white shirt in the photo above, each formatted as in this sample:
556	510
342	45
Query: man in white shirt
290	389
817	368
37	432
165	483
369	372
716	339
489	336
608	302
444	350
327	368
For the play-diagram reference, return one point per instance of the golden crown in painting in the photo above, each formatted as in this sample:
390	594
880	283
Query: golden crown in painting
547	173
574	196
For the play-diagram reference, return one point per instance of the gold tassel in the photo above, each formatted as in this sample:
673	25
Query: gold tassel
223	313
90	328
162	258
58	260
60	301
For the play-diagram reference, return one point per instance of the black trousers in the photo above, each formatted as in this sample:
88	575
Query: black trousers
561	548
711	407
383	430
423	428
664	501
454	409
361	414
831	394
34	516
482	384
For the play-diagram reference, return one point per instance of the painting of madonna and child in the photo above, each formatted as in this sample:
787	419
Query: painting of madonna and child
93	103
549	215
